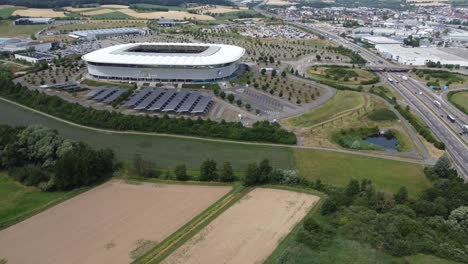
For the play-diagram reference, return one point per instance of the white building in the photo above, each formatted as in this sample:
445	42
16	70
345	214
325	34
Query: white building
104	33
419	56
164	62
34	57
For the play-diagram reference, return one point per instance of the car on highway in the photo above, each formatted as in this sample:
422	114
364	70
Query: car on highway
449	117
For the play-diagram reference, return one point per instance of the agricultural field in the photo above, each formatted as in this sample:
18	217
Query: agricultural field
7	11
343	102
343	75
253	234
18	202
280	2
38	12
440	78
338	168
216	9
460	100
121	222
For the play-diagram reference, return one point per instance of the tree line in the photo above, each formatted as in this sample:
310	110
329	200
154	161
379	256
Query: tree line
39	156
262	131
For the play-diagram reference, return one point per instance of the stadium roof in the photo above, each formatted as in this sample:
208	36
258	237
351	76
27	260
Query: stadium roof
174	54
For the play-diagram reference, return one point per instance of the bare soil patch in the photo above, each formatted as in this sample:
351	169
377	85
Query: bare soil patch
109	224
249	231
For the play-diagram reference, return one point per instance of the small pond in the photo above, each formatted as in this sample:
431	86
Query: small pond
383	141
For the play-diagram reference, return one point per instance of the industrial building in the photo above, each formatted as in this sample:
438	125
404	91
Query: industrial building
173	62
105	33
17	45
34	21
35	57
421	55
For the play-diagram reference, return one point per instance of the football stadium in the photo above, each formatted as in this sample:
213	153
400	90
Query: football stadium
170	62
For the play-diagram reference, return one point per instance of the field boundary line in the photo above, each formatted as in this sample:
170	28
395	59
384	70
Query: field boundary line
186	232
108	131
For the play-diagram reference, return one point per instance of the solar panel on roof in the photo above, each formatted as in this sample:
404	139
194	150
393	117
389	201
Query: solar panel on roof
137	97
161	102
175	102
114	96
94	92
189	102
149	100
202	105
105	94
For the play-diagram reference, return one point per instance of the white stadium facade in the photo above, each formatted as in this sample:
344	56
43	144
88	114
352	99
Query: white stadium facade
171	62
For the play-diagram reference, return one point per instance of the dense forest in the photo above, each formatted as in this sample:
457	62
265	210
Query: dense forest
77	3
39	156
263	131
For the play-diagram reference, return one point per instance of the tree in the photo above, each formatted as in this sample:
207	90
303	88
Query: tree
318	57
401	196
443	166
458	219
208	171
222	95
264	171
283	73
273	73
250	177
239	102
230	98
180	172
226	173
353	188
328	207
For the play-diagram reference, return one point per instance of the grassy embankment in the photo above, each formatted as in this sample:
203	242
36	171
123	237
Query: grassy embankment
459	99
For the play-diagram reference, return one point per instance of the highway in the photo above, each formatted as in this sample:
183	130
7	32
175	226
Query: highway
434	117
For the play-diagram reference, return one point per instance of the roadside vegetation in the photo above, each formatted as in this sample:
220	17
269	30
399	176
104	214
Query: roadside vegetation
438	78
359	223
339	75
459	99
342	102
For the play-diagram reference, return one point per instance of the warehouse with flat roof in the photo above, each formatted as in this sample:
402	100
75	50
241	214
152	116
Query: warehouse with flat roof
105	33
174	62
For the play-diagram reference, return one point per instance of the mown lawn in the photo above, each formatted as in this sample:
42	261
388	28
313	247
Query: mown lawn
18	202
460	100
338	168
342	101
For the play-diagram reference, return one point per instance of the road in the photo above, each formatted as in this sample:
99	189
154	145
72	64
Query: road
422	106
447	133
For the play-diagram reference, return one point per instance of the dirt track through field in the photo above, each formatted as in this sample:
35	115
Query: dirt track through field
106	224
249	231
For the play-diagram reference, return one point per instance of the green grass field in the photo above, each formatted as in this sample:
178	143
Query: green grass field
342	101
338	168
7	29
460	100
7	11
142	7
18	202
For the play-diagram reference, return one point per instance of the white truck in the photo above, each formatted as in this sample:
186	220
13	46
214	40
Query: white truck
404	78
465	128
437	103
390	79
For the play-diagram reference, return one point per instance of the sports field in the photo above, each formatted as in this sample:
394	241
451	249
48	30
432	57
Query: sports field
113	223
249	231
343	101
